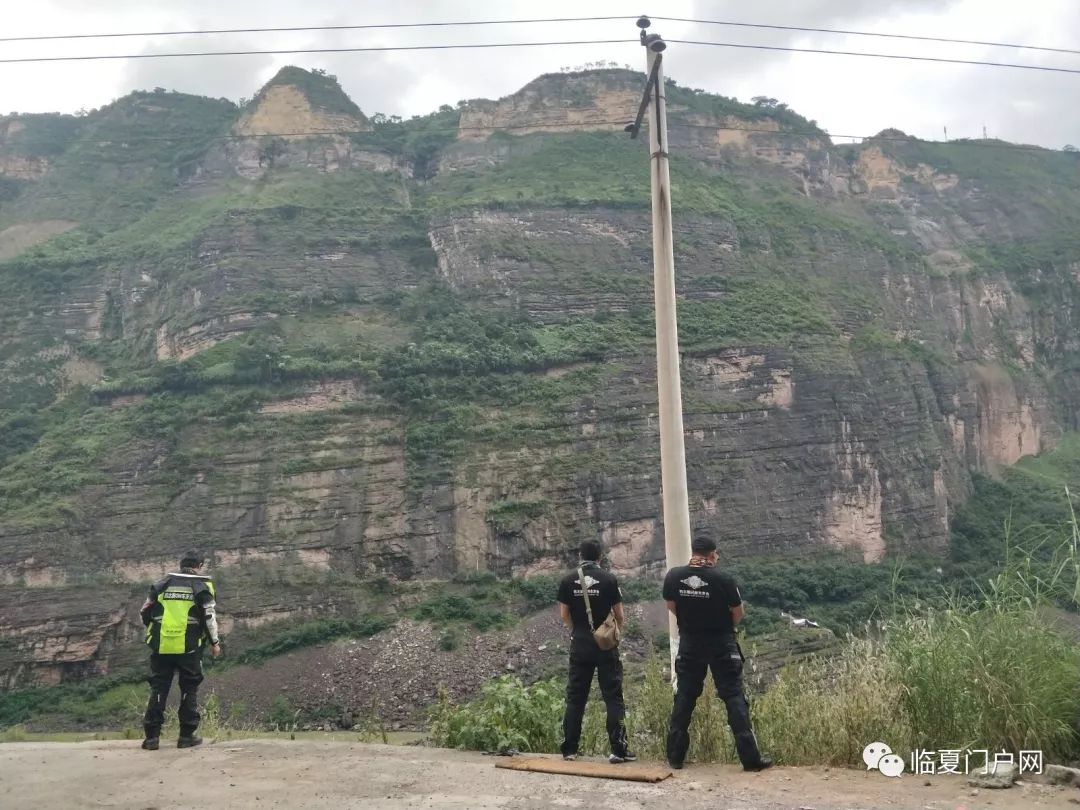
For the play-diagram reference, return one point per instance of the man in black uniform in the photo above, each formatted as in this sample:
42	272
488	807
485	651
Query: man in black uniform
586	657
707	604
180	616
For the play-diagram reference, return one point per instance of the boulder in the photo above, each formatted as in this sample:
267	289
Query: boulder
1062	775
1001	776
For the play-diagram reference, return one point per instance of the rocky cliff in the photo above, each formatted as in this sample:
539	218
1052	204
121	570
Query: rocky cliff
329	350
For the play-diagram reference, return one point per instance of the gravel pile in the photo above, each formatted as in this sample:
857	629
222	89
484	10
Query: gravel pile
391	678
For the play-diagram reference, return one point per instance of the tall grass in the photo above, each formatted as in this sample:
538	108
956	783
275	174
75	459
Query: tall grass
997	671
826	710
990	671
648	704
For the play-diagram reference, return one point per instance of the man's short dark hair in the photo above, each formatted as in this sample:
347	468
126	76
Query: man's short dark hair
590	550
192	559
703	542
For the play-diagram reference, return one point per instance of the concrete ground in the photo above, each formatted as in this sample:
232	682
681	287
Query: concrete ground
316	775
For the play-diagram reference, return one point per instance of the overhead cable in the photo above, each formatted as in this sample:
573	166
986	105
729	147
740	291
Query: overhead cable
883	35
533	21
907	57
369	49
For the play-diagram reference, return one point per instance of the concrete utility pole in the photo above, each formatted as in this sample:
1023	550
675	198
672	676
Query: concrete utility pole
672	446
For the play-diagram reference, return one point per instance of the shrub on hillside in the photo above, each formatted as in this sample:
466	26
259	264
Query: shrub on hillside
316	632
458	608
507	715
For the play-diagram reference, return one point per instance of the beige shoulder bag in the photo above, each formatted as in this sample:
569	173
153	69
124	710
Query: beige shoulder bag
607	635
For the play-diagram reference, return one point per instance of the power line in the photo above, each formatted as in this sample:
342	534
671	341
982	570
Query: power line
804	29
465	46
942	59
464	23
295	28
317	50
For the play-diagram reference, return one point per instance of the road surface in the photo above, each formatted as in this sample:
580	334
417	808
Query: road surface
335	775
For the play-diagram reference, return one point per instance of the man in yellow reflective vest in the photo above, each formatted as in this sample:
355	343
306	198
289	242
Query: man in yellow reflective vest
179	615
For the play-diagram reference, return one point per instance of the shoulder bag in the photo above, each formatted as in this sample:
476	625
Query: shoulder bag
607	635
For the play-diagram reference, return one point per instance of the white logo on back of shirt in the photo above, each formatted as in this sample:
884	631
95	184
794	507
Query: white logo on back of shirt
589	583
693	589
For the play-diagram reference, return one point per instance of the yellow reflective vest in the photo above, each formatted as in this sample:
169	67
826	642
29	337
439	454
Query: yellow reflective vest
176	613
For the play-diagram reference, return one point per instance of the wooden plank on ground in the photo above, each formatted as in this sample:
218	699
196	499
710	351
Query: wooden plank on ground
599	770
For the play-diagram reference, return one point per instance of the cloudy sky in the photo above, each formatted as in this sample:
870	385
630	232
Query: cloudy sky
846	95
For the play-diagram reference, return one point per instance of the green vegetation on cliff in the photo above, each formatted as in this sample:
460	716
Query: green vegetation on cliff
417	141
123	159
1028	172
43	135
1035	500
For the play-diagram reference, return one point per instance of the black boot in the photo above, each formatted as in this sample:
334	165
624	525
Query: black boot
749	754
152	736
678	742
188	738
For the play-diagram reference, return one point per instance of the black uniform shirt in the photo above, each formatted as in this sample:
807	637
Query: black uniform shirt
703	599
604	594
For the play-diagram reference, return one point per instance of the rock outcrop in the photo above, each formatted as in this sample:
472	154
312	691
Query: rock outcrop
299	120
16	163
594	101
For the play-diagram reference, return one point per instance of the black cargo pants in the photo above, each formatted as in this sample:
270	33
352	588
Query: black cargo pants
696	656
162	669
585	659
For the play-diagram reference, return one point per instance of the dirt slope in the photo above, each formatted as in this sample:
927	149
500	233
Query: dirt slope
393	676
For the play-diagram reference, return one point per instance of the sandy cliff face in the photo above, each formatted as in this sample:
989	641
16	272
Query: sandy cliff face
15	165
285	111
596	107
23	168
879	175
282	129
